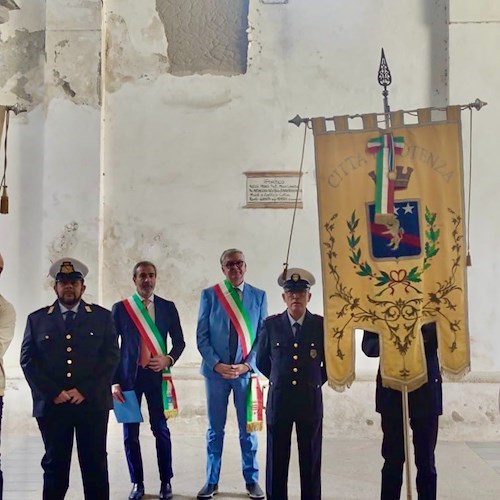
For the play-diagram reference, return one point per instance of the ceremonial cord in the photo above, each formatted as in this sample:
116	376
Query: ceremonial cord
285	264
4	199
468	258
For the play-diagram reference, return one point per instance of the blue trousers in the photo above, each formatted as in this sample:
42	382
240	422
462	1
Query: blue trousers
425	431
217	391
148	383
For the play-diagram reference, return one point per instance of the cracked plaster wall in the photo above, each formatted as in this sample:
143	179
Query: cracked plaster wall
205	36
175	148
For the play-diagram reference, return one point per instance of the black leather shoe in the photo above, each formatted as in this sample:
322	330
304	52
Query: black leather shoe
137	491
254	490
208	491
166	491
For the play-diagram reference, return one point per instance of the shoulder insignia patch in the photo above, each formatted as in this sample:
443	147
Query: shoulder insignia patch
50	310
88	308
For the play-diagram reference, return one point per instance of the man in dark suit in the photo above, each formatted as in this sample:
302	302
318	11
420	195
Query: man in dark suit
425	406
146	371
291	355
69	354
229	318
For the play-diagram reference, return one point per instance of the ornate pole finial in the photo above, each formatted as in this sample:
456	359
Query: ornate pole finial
385	79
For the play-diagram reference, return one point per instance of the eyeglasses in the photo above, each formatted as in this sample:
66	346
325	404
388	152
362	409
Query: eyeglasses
234	263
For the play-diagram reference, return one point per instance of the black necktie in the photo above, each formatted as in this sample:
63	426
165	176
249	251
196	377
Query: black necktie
69	317
233	335
296	329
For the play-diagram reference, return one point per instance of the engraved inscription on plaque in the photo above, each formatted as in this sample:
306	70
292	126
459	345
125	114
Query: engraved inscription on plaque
273	190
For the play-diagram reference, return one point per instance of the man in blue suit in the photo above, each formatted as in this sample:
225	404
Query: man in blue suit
228	364
141	370
425	406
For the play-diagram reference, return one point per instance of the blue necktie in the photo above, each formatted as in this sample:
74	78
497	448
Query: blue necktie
69	317
296	329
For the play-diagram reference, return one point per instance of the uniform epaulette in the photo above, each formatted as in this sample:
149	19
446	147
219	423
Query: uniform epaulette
273	316
88	308
50	310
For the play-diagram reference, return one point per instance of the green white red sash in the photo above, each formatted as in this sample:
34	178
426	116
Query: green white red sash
233	305
385	147
156	344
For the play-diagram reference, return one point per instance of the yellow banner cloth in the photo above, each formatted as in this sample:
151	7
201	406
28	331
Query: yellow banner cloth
391	277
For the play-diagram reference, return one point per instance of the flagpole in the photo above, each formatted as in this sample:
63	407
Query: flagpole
406	430
384	80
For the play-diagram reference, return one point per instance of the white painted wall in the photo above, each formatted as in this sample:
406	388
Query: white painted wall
176	148
159	170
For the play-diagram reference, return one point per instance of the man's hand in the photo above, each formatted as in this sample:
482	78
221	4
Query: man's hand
240	369
117	393
158	363
76	397
63	397
225	370
231	371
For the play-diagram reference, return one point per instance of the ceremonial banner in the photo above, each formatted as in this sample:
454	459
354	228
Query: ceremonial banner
392	243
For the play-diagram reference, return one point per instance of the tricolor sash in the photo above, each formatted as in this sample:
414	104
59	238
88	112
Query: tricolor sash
156	344
233	305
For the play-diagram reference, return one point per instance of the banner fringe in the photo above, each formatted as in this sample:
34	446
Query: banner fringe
254	426
455	376
171	413
341	387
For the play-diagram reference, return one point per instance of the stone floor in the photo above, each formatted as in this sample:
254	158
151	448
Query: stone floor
467	470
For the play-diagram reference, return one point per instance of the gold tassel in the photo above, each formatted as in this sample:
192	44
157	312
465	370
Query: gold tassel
171	413
4	201
254	426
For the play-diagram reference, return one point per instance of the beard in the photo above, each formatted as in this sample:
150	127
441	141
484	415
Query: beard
69	299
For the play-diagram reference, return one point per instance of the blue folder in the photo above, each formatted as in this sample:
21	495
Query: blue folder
128	412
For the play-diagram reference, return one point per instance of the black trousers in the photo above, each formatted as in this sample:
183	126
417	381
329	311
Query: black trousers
425	431
309	441
58	430
149	383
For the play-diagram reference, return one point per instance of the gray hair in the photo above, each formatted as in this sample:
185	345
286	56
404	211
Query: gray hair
229	251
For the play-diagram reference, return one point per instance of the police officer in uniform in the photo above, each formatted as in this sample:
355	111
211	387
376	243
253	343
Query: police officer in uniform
291	355
69	354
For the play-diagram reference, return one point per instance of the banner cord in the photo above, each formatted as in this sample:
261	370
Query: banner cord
469	195
285	264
